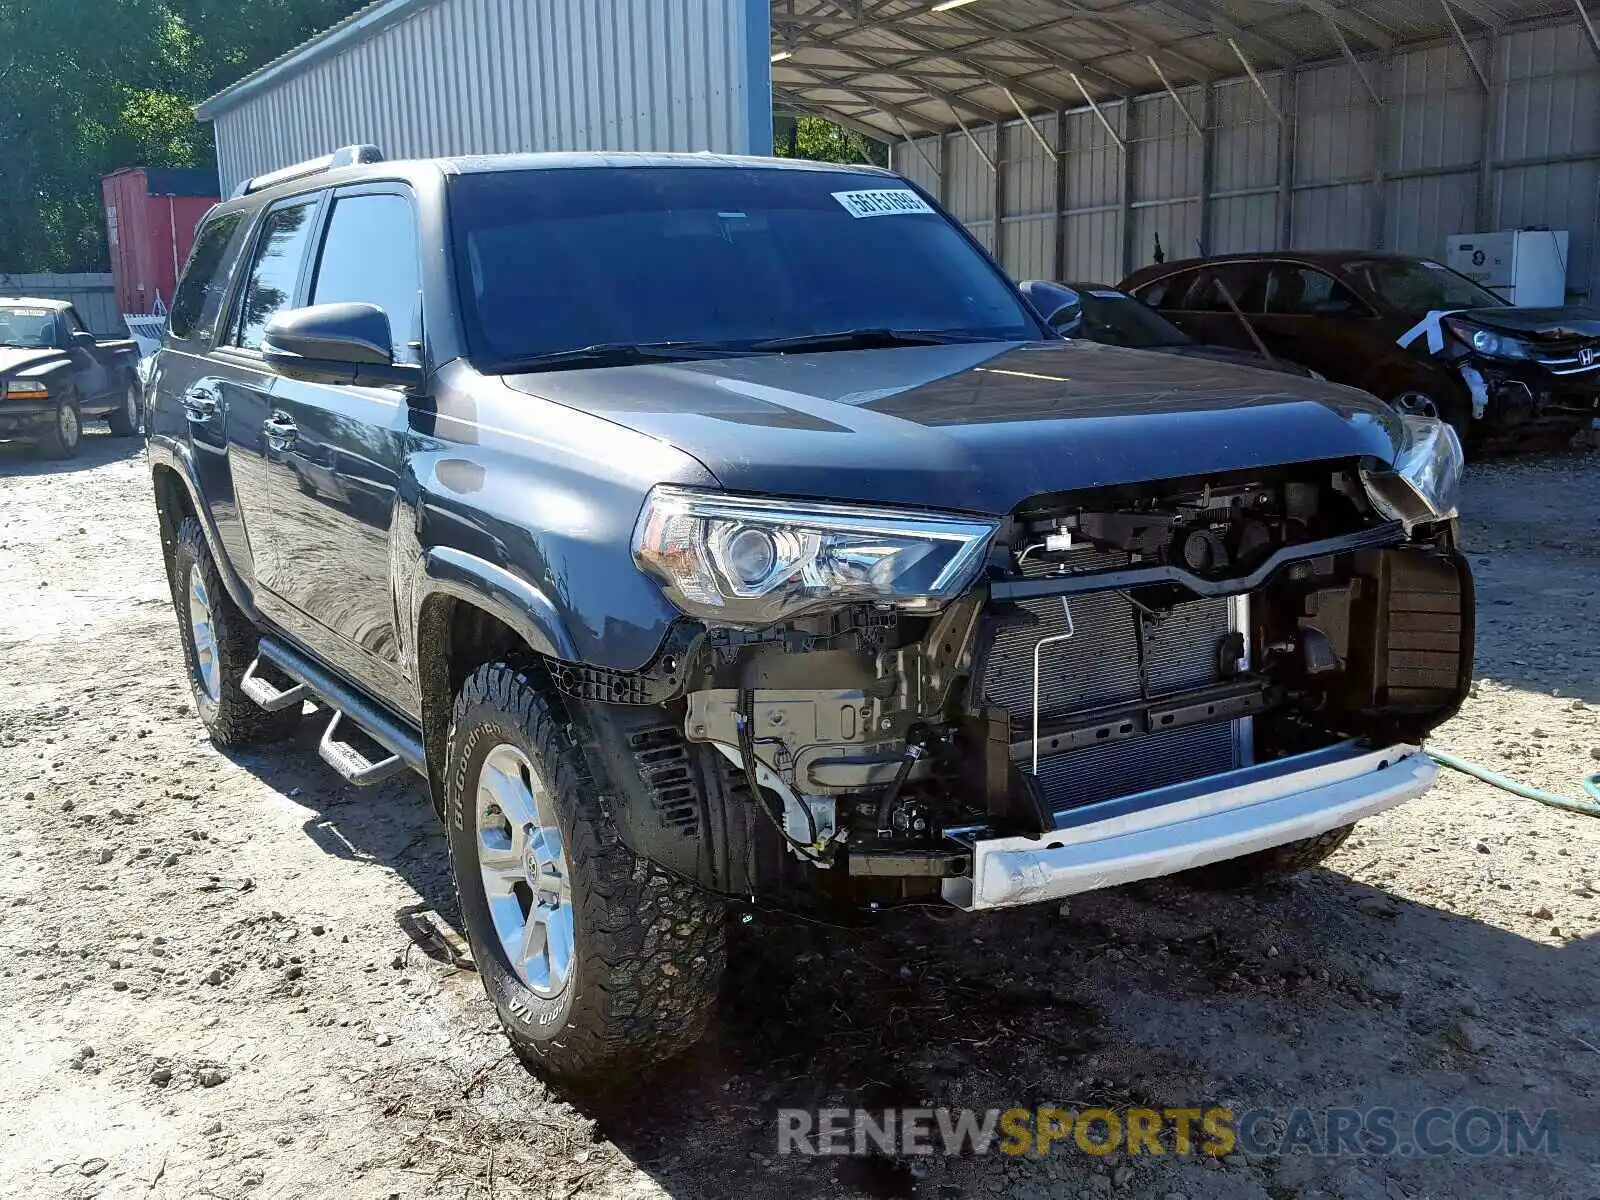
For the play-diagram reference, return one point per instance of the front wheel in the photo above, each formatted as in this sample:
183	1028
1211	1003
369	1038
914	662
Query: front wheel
1430	402
1267	866
598	962
65	434
124	421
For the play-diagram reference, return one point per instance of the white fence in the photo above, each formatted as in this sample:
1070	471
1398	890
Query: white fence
92	293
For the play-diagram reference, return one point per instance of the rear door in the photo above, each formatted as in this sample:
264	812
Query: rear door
186	408
241	384
1313	319
342	448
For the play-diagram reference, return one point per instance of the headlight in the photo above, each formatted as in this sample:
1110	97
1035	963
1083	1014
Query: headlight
1425	482
26	389
1489	343
746	561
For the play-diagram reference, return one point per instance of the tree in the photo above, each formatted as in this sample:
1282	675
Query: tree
820	140
89	86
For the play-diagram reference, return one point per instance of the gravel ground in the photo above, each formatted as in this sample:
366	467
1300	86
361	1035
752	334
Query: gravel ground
232	975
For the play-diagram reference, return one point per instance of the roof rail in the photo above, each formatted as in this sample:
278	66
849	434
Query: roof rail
347	156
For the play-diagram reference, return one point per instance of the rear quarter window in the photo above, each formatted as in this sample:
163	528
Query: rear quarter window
200	294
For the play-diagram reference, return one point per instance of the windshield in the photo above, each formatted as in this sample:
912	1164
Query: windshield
1415	285
1119	320
33	328
723	257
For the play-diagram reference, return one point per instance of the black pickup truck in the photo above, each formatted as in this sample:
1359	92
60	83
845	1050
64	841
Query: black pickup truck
716	531
54	373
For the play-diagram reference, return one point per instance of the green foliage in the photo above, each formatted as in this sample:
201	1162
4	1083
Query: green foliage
821	140
89	86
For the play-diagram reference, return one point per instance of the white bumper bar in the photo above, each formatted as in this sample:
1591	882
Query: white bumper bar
1161	832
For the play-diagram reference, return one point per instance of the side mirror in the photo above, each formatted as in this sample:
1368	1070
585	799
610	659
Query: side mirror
84	339
336	343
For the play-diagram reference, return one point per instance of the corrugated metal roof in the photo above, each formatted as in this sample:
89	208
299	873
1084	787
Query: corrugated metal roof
902	66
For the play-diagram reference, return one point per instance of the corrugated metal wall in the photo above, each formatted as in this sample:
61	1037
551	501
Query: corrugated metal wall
92	293
495	76
1440	157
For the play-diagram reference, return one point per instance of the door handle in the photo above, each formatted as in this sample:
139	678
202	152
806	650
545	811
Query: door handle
280	430
200	403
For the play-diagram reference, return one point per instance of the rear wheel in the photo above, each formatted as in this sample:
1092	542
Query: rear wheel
1267	866
124	421
219	643
598	962
65	434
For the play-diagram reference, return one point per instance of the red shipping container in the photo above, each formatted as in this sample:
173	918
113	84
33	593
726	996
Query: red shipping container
151	216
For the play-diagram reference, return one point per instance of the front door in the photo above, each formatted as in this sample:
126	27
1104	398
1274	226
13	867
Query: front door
89	367
342	449
1313	319
240	384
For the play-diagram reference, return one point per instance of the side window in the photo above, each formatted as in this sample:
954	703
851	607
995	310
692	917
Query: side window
1167	293
369	255
199	297
270	289
74	322
1240	282
1294	291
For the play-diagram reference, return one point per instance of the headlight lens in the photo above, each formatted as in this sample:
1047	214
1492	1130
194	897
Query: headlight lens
742	560
1425	482
26	389
1489	343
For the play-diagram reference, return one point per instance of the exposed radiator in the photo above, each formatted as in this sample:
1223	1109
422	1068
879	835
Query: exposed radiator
1100	665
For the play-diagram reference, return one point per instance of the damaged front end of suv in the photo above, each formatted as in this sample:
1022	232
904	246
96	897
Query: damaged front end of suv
870	705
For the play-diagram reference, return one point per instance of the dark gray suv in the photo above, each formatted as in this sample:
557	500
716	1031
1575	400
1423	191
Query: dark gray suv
712	530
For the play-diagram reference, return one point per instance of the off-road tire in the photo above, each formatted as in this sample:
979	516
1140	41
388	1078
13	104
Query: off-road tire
234	721
1267	866
124	422
648	950
56	444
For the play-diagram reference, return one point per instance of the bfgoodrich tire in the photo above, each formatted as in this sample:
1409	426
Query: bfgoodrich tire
1267	866
599	963
219	643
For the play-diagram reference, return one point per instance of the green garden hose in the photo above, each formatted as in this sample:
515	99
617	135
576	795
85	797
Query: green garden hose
1591	784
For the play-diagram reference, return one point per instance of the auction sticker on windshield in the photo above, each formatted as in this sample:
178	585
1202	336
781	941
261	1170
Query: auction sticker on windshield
887	202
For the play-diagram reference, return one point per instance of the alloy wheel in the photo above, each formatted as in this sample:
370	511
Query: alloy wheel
203	630
527	878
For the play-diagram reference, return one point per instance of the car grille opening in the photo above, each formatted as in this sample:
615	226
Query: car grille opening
1118	653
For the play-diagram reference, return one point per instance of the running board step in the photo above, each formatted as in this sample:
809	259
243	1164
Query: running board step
355	766
266	694
401	741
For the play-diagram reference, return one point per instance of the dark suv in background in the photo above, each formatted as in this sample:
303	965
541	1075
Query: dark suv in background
713	530
1406	329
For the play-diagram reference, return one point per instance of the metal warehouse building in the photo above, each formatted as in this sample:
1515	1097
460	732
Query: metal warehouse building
1067	134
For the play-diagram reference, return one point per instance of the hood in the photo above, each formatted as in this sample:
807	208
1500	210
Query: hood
1241	358
1541	324
14	359
978	428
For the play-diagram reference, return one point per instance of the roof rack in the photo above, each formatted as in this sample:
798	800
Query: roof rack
347	156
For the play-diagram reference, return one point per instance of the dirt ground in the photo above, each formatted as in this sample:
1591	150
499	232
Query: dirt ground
233	976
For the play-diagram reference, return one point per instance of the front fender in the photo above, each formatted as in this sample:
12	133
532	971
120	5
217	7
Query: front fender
444	570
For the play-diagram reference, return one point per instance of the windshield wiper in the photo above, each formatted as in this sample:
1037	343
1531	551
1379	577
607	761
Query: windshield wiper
865	339
615	354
